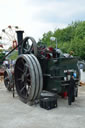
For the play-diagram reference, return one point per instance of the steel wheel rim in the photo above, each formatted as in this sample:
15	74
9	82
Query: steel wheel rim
40	75
8	80
24	79
36	76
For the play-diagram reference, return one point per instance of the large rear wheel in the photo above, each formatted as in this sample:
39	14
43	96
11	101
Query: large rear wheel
27	78
38	67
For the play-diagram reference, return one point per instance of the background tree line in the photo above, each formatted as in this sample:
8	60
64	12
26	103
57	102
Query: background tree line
71	38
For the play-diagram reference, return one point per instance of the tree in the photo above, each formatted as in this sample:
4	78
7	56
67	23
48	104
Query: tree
13	55
71	38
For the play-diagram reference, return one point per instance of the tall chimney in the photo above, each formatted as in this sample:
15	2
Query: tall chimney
19	39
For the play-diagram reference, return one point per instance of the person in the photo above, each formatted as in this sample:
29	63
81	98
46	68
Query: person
71	89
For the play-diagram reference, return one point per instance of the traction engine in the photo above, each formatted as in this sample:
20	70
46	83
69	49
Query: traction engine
39	68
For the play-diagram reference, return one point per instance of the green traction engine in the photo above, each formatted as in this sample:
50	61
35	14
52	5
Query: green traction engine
39	68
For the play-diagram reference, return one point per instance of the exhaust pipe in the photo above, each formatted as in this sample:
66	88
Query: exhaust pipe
19	39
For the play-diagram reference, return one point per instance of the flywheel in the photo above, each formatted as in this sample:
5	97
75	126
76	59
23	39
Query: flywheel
29	45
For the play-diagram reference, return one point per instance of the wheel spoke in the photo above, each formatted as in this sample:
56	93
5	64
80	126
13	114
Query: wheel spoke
27	44
28	80
19	68
25	50
22	61
26	95
8	82
25	69
23	88
28	91
28	75
31	48
6	78
19	79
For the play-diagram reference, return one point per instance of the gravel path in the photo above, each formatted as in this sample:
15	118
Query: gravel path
16	114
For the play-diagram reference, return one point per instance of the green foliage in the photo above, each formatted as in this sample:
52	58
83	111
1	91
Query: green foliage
1	56
46	38
80	30
71	38
13	56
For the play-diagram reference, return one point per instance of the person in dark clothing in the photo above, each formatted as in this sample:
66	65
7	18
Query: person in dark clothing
71	88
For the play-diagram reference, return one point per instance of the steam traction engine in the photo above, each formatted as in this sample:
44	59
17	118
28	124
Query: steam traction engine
40	68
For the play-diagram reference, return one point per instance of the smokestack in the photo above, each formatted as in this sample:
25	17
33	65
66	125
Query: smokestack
19	39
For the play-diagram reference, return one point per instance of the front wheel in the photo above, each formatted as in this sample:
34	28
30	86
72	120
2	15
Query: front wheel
8	79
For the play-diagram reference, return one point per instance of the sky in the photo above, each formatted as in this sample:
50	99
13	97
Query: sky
36	17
